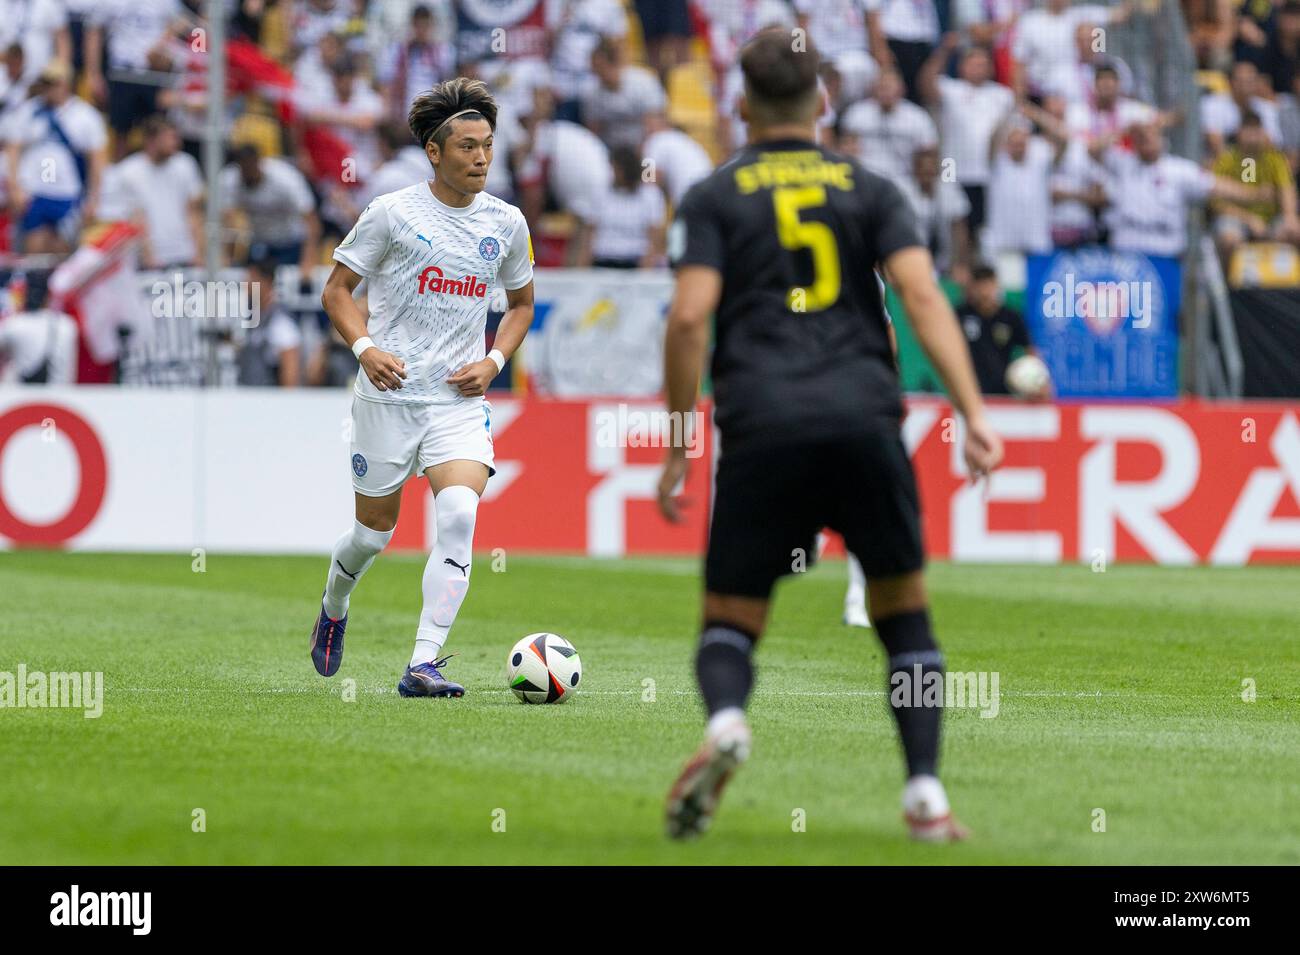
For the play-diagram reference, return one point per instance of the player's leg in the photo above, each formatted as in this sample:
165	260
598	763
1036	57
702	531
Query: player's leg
879	515
745	559
383	451
901	610
855	597
458	453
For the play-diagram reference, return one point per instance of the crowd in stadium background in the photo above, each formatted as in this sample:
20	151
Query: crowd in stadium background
1012	126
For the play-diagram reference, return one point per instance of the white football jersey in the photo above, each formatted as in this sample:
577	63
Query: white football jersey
428	268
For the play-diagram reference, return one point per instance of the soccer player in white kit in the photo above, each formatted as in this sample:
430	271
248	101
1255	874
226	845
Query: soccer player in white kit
429	254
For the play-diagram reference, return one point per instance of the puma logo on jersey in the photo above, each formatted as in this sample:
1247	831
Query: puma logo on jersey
463	568
428	242
431	280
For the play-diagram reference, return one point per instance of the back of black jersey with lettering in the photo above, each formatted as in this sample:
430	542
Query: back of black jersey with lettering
802	348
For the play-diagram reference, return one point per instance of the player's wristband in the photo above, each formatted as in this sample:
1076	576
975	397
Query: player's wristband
498	359
361	344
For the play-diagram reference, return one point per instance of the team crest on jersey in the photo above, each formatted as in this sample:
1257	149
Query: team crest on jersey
489	248
359	465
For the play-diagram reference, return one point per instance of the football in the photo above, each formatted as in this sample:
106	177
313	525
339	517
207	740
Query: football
1027	376
543	668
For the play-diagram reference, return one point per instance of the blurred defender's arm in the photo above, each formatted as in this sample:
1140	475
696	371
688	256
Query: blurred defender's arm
911	271
686	341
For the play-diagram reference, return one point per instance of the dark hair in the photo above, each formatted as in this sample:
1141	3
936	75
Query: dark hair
1105	68
627	162
394	134
431	111
155	124
1250	118
982	273
264	266
780	75
245	152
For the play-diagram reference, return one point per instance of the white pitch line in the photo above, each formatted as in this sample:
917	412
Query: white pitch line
1049	694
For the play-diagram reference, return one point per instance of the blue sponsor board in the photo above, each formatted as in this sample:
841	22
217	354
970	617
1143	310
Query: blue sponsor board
1106	322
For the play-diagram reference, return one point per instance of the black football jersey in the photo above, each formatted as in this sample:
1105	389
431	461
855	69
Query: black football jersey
801	345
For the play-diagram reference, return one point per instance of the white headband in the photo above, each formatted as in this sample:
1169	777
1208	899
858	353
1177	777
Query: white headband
448	120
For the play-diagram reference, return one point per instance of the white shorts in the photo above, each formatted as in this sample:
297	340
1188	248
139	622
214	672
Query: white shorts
392	441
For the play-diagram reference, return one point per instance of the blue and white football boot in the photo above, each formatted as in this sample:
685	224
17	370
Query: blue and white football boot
426	679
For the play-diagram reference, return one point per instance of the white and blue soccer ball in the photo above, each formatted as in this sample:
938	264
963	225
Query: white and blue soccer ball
543	668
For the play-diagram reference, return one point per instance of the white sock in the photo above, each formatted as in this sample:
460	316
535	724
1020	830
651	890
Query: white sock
446	575
857	593
723	720
924	798
353	554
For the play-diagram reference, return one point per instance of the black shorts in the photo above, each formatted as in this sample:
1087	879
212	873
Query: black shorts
770	503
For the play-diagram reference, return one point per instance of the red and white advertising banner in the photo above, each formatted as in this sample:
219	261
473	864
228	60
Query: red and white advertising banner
252	470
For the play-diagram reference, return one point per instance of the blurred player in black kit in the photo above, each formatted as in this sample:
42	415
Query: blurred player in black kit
780	243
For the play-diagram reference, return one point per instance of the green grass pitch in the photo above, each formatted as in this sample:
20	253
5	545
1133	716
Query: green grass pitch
1119	691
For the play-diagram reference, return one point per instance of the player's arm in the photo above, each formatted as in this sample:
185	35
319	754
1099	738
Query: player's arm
686	341
911	271
385	371
473	379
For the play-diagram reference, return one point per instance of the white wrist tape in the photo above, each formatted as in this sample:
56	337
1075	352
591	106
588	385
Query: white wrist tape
361	344
498	359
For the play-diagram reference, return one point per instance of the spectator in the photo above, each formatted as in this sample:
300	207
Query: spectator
1045	51
278	204
312	19
942	212
678	160
1221	112
350	111
1263	169
970	109
731	24
403	163
134	32
1150	191
271	353
1211	25
1281	60
886	131
996	334
13	80
1253	18
563	166
911	29
56	150
164	187
1019	195
1077	187
1077	86
313	71
618	96
666	26
416	63
41	27
583	25
629	232
990	24
38	345
847	32
1107	111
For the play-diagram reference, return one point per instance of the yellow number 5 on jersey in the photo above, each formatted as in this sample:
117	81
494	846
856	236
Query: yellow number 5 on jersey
816	237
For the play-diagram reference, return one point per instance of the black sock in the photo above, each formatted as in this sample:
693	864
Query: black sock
723	666
913	655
